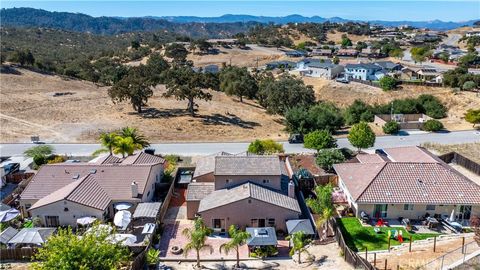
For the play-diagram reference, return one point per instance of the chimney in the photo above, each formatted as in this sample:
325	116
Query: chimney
291	189
134	187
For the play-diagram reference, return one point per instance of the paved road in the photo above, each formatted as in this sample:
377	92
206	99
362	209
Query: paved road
210	148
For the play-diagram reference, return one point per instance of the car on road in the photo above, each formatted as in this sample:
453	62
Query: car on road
295	138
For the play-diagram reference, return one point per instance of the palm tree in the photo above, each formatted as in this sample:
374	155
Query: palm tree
324	220
40	150
139	140
300	242
124	146
238	238
197	237
108	141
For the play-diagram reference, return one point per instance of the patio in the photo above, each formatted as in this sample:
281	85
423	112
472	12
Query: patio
172	236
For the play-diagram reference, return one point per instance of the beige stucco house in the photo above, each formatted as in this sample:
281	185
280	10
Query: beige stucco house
243	190
407	182
61	193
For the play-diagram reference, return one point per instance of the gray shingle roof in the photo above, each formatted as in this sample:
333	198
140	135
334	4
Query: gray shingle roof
247	165
297	225
265	236
247	190
147	210
198	191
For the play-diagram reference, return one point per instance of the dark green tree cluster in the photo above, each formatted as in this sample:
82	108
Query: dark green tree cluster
237	81
457	78
323	116
282	94
387	83
22	57
269	34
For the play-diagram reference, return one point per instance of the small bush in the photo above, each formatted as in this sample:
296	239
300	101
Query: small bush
55	159
387	83
432	125
391	127
469	85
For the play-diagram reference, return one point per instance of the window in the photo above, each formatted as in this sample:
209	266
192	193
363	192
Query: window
218	223
266	181
430	207
52	221
271	222
254	222
148	194
408	207
261	222
228	181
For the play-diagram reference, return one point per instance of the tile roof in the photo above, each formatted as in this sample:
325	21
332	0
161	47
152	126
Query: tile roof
198	191
247	165
114	179
247	190
85	191
369	158
206	164
420	183
413	175
143	158
147	210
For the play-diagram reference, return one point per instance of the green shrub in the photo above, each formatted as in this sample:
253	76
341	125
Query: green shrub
327	157
469	85
391	127
432	125
387	83
265	147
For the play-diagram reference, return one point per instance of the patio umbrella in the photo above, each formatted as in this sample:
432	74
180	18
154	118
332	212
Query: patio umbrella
452	216
125	239
122	219
8	215
86	220
123	206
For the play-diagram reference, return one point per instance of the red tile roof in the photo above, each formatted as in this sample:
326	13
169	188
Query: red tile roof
413	176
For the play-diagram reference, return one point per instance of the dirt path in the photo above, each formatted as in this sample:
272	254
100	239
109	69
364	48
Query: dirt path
33	125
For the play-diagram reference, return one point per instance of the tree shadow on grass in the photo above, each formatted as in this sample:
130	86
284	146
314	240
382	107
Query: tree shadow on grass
214	119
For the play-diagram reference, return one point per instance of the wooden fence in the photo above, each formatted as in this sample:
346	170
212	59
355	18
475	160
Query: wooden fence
374	84
454	157
16	178
350	256
140	260
420	83
17	253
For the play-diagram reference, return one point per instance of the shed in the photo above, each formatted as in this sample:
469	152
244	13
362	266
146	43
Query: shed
263	236
297	225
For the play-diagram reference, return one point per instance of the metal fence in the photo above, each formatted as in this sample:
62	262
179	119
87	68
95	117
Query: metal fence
451	257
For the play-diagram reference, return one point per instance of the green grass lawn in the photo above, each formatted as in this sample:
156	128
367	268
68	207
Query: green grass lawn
358	237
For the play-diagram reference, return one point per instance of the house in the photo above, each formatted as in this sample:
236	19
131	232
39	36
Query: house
319	68
429	74
473	34
321	52
280	64
347	53
61	193
364	72
407	182
389	66
244	190
295	53
405	121
369	52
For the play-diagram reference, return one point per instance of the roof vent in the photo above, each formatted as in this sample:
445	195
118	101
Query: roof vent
388	193
76	176
93	171
419	181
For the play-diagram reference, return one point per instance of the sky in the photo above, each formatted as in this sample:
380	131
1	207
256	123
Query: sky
389	10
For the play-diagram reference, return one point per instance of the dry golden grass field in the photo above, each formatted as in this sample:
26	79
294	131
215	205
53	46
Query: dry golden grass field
28	107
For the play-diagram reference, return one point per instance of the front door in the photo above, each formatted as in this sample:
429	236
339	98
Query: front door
380	211
219	224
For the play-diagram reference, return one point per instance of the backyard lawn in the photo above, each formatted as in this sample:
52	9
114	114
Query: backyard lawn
358	237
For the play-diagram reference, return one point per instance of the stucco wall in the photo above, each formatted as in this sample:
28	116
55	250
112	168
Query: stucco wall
235	180
241	212
156	175
419	210
66	218
192	209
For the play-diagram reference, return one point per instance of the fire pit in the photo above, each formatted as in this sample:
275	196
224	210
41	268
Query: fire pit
176	250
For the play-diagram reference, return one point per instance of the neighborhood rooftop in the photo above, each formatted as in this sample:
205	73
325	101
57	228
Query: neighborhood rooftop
408	175
247	165
244	191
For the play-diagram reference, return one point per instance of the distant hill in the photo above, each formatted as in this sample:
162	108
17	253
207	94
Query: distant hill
30	17
222	26
295	18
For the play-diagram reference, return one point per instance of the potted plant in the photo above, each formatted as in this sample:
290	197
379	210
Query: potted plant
153	257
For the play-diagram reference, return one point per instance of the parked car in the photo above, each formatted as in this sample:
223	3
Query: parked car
295	138
342	80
